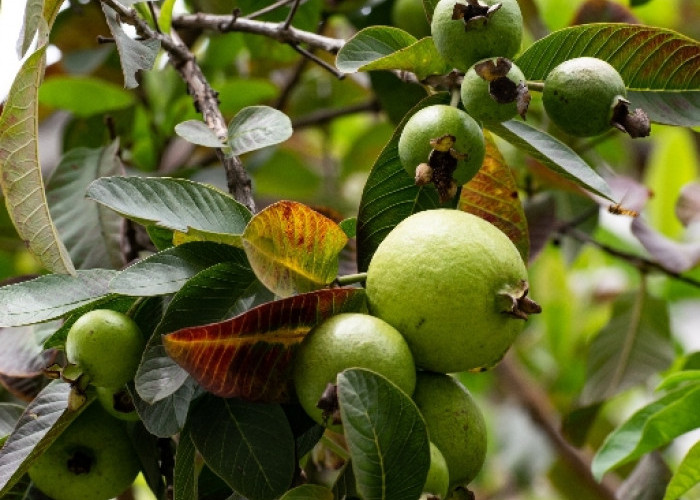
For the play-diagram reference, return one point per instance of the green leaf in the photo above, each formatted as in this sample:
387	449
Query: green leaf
651	427
349	226
554	154
167	271
687	475
249	445
22	354
185	472
421	58
41	423
176	204
197	132
51	296
210	296
371	44
133	54
20	172
390	194
661	68
83	95
632	347
638	3
675	379
308	492
30	24
9	416
91	232
386	435
292	248
429	7
166	417
256	127
165	18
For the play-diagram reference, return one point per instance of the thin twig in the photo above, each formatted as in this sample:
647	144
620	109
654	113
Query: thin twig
291	82
325	115
313	57
154	15
290	17
537	404
269	8
205	98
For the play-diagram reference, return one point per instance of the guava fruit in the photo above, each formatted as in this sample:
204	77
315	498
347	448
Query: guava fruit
586	96
409	15
494	90
107	346
465	31
442	145
438	480
454	285
455	424
92	459
117	403
347	340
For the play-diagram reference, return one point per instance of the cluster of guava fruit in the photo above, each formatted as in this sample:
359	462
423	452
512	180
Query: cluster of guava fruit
446	292
93	459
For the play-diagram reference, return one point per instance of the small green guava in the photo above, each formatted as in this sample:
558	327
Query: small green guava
465	31
409	15
441	145
438	480
455	424
93	459
107	346
454	285
347	340
494	90
586	96
117	403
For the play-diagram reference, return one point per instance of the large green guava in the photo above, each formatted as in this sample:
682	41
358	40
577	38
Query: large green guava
455	424
107	346
465	31
454	285
438	480
348	340
93	459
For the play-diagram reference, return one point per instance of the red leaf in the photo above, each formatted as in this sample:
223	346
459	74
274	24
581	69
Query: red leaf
250	356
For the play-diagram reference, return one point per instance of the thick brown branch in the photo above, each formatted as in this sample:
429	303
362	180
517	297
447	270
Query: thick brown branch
205	98
275	31
542	414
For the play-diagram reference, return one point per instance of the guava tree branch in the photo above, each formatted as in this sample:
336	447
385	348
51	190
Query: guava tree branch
205	98
536	403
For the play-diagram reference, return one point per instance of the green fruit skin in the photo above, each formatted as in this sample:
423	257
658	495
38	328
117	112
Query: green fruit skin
501	36
349	340
113	471
580	93
409	15
479	103
106	396
455	424
438	481
107	345
435	121
436	278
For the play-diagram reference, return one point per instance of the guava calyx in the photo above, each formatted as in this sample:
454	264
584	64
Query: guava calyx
475	14
442	162
636	123
515	302
329	404
122	402
501	88
81	461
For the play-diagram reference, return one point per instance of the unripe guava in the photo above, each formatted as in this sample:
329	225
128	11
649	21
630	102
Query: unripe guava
107	346
445	139
118	403
454	285
409	15
493	90
455	424
465	31
348	340
438	480
585	96
93	459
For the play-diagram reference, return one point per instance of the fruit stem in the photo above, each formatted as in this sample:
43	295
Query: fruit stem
454	97
134	307
535	86
349	279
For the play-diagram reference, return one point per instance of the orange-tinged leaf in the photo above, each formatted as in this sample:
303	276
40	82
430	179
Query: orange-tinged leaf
250	355
292	248
493	195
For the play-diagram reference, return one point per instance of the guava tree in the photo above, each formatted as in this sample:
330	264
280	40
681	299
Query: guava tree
184	285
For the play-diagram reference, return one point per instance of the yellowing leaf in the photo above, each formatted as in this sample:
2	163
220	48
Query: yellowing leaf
492	195
292	248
